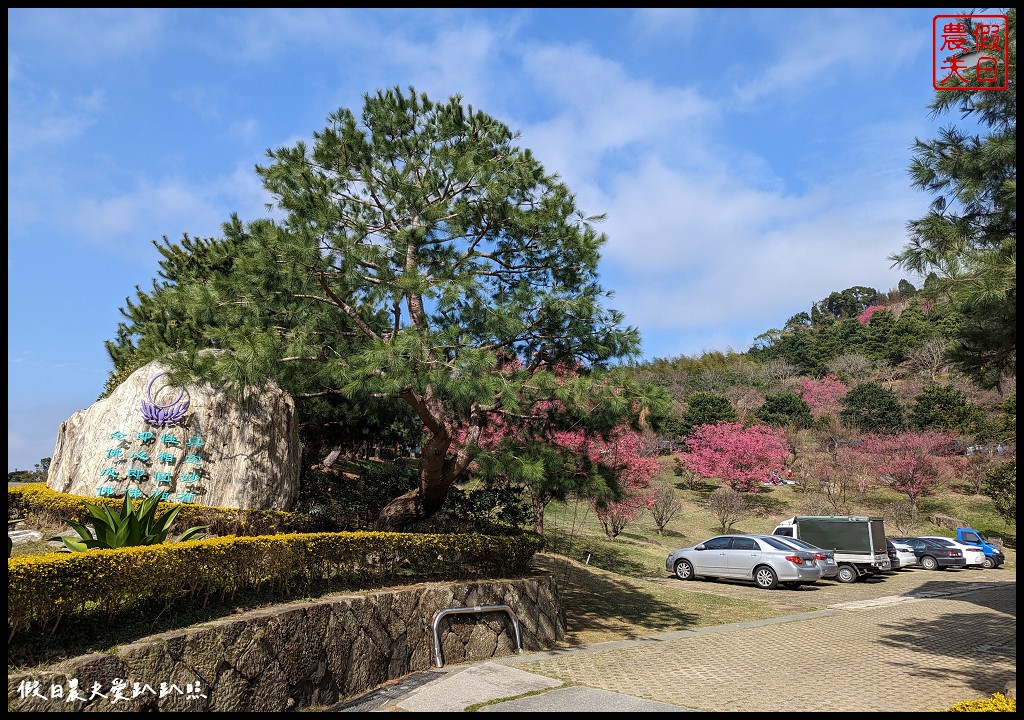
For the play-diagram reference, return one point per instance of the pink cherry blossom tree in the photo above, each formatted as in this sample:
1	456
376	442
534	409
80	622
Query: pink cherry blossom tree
612	470
742	456
636	470
865	317
823	395
916	464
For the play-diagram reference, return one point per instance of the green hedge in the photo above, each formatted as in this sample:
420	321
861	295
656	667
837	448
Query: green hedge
258	551
97	585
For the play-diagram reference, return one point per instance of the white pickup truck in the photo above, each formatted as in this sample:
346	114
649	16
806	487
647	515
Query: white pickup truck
858	541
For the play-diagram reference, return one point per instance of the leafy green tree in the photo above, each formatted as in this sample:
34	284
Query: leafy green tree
892	339
906	289
943	407
37	474
799	349
170	318
967	243
785	409
874	408
153	326
843	337
1001	486
877	334
800	321
454	272
705	408
1008	419
843	305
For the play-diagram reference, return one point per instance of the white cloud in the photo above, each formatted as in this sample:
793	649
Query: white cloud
825	47
38	118
127	223
91	35
678	22
604	112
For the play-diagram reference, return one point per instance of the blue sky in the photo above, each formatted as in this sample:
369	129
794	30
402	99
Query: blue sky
749	162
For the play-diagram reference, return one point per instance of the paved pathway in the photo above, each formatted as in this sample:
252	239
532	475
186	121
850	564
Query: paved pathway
910	655
935	640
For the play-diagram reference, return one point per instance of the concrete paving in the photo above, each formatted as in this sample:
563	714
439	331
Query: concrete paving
917	651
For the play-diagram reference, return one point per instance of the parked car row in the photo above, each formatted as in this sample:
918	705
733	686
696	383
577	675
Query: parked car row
771	561
901	555
934	555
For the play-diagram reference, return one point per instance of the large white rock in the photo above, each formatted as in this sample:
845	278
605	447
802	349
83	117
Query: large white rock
215	450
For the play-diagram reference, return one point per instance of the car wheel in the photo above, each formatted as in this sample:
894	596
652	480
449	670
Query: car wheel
847	574
766	578
929	563
989	563
683	569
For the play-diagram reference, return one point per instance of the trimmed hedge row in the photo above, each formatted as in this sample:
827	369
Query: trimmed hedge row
258	551
96	585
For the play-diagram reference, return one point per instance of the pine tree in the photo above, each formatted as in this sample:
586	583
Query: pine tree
967	243
422	256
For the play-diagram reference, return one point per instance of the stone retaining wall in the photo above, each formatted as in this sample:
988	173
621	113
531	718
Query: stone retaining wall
300	655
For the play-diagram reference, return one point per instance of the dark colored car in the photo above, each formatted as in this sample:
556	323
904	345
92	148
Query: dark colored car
933	555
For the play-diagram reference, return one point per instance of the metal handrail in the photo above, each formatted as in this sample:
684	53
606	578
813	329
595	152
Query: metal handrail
471	609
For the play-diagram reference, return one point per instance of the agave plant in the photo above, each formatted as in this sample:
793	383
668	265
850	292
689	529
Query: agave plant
134	525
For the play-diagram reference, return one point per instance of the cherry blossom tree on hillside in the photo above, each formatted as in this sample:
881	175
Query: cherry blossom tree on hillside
742	456
865	317
554	457
625	453
915	464
616	515
822	396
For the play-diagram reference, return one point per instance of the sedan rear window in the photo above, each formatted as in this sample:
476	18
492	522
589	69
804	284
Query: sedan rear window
777	544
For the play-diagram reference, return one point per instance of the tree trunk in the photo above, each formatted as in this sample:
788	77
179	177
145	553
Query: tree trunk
438	469
538	516
435	478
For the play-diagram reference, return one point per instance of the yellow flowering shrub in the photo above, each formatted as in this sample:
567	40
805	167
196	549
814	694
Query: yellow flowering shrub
997	703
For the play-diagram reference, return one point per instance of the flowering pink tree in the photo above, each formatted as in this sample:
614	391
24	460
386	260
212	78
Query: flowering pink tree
636	470
865	317
613	469
822	396
915	464
742	456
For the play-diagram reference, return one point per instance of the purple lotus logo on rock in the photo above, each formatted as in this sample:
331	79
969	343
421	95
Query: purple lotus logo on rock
163	415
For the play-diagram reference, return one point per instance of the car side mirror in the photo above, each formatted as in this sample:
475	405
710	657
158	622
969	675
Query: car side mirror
700	547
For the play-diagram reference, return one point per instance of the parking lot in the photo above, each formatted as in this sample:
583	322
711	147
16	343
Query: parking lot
825	593
911	641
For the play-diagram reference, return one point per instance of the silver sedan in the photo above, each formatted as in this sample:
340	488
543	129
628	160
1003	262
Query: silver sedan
826	558
763	559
